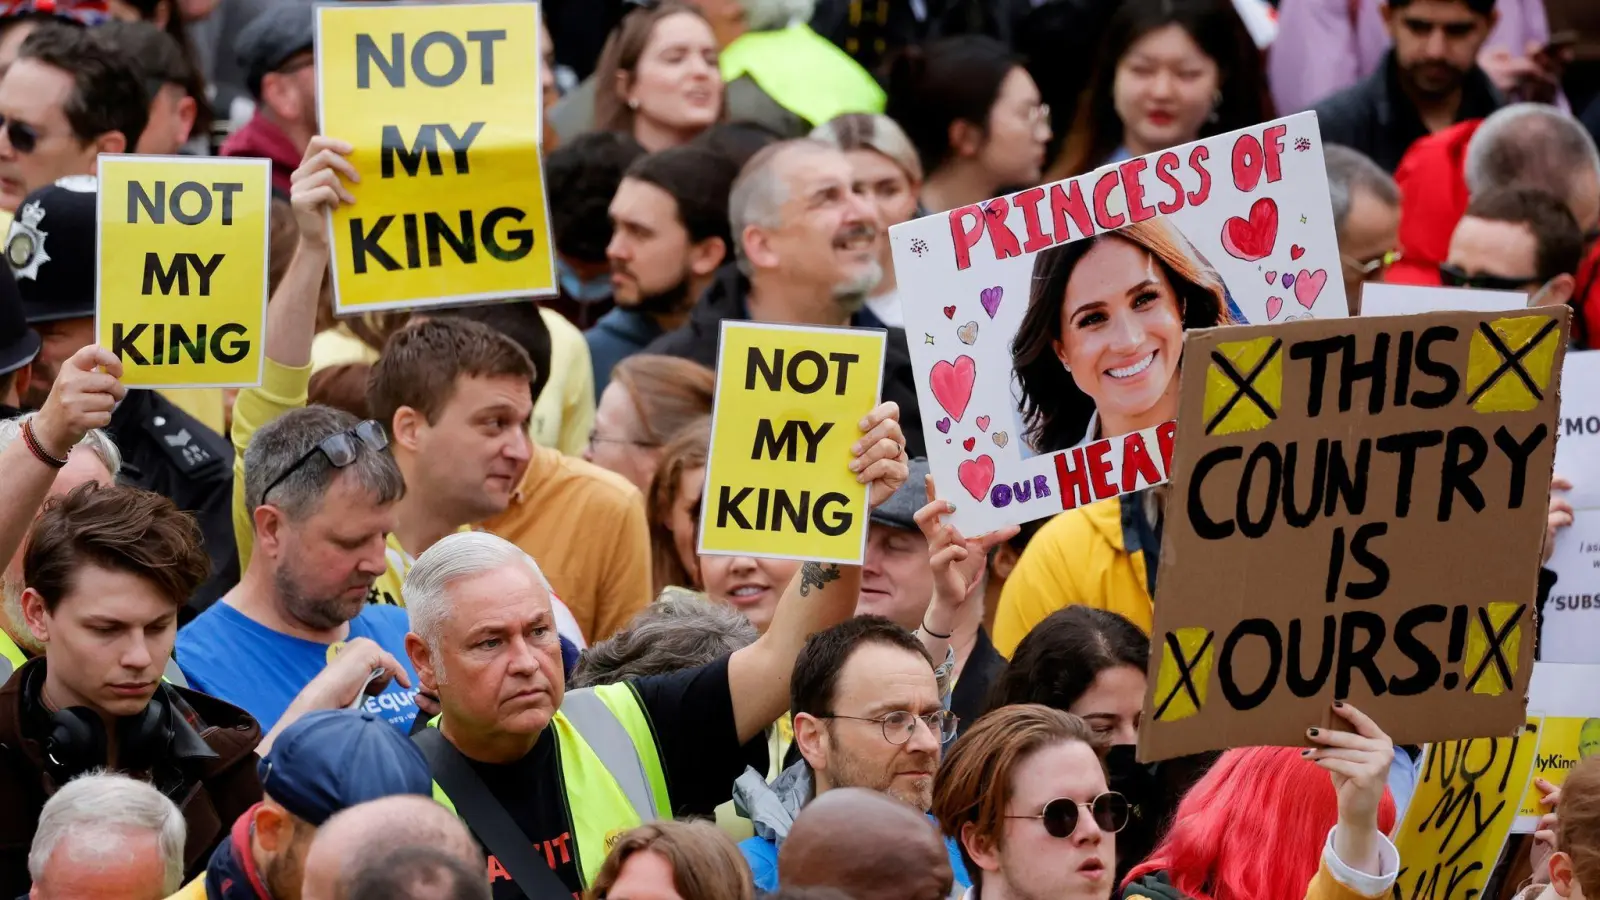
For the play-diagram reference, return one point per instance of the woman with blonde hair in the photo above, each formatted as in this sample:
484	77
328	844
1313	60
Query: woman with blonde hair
649	400
885	168
1103	335
674	861
674	494
657	78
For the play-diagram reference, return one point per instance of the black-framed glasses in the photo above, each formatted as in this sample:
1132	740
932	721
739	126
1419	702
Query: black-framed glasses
1060	816
23	137
340	449
899	725
1451	275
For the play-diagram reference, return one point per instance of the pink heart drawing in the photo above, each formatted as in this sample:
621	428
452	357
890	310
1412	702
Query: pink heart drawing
976	475
1272	275
1253	238
1274	306
1308	286
990	298
983	423
952	384
1288	280
943	425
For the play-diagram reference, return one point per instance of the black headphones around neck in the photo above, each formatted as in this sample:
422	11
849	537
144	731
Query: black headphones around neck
74	739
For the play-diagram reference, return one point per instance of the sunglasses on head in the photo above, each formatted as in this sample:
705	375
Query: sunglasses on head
1454	276
23	137
1060	816
340	449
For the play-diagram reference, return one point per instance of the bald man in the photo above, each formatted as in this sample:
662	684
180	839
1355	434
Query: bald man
381	827
867	845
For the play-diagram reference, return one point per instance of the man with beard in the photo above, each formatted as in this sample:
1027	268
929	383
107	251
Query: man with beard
1429	81
867	714
806	249
669	234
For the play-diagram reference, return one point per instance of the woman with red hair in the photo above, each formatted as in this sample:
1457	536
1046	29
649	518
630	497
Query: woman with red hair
1276	822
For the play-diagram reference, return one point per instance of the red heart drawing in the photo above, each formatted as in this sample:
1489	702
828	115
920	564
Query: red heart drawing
968	444
1296	251
976	475
1252	239
952	384
983	423
949	312
1308	286
1274	306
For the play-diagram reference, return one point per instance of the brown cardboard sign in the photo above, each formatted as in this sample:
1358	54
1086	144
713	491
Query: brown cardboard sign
1356	513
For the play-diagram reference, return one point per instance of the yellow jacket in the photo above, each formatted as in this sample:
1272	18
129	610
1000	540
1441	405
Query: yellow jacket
282	388
1081	557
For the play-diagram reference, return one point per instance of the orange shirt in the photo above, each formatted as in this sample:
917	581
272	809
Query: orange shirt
585	527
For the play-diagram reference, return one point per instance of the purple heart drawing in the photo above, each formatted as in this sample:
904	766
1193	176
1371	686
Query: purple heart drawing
1288	280
943	425
990	298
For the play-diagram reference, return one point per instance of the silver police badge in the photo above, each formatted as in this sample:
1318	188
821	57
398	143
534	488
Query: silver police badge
25	245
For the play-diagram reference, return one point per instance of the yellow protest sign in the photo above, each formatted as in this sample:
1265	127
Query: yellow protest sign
788	406
441	103
181	279
1563	743
1461	814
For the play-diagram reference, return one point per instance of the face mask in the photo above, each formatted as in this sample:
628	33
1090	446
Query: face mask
591	291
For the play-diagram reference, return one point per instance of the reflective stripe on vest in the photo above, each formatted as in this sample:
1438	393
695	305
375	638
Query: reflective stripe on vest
12	658
610	769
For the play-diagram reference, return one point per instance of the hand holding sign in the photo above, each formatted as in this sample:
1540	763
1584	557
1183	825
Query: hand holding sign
316	188
1560	515
957	562
81	399
881	455
1358	762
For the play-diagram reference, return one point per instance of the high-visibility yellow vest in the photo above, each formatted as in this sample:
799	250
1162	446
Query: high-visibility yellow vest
610	767
803	72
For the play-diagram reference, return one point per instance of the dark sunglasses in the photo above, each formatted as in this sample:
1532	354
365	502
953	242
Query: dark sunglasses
23	137
1454	276
340	449
1060	816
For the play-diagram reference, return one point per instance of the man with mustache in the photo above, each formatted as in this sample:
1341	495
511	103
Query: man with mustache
867	714
806	253
669	234
1429	80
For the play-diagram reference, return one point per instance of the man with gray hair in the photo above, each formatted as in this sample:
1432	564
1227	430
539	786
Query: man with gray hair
1524	146
544	776
107	835
321	489
1366	218
806	247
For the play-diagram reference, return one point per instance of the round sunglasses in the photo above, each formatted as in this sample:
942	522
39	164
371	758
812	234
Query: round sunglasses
1060	816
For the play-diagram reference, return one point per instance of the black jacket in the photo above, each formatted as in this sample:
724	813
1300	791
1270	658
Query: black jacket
727	297
1376	117
168	451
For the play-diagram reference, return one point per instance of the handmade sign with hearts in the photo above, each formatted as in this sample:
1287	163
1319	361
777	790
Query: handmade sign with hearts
1014	294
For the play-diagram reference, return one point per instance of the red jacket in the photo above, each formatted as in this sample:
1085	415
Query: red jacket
1433	198
260	137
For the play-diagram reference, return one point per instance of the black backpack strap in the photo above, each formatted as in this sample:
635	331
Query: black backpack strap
489	820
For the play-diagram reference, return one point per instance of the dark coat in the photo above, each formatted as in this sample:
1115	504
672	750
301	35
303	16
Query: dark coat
213	759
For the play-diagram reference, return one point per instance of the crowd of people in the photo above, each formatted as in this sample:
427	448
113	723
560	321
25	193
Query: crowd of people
423	613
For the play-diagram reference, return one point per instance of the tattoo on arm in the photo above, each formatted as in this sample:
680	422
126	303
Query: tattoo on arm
817	575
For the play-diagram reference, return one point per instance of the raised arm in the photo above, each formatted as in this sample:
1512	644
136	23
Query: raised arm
1358	762
820	595
82	398
958	564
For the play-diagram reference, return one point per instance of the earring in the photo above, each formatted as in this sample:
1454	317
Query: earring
1067	367
633	102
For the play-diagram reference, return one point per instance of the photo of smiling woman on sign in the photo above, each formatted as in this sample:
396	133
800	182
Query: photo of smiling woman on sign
1098	349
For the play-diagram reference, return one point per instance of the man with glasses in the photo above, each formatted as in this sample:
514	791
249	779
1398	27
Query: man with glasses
1516	240
70	96
867	714
321	489
276	51
1366	218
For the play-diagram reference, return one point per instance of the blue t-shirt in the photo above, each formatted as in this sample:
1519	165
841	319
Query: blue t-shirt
762	855
232	657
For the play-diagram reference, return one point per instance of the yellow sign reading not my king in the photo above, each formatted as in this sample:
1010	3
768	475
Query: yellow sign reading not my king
441	105
181	280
